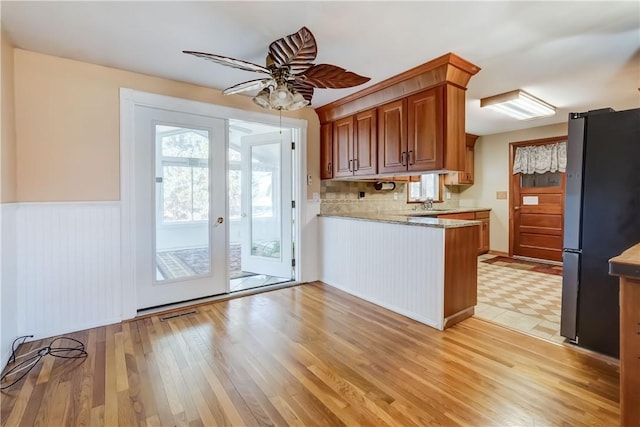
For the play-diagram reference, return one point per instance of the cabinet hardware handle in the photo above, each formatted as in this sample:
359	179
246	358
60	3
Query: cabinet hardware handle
402	158
356	165
410	157
329	167
350	170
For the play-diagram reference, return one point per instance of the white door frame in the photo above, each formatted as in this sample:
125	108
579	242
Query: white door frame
280	267
129	98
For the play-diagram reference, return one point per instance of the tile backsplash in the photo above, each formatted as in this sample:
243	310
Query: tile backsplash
344	197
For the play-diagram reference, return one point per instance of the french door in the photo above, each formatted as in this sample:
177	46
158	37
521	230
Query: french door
266	204
180	206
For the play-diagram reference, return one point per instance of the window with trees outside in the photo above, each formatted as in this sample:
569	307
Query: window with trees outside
427	187
184	173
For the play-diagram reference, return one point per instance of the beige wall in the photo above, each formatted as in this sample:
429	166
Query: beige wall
67	122
492	175
8	145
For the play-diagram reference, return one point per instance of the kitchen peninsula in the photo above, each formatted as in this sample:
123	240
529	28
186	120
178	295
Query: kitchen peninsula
421	267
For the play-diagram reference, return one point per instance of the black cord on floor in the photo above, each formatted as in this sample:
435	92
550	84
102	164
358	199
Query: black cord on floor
21	369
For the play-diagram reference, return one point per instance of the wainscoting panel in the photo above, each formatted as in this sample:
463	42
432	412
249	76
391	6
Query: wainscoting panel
399	267
68	266
8	278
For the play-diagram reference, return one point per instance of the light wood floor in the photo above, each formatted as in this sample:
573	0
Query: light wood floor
312	355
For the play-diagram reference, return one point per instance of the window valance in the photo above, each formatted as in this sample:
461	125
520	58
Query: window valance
541	158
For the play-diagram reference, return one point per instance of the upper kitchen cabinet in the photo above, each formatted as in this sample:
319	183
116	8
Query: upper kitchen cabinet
466	176
412	122
326	151
425	143
343	147
354	145
392	137
365	143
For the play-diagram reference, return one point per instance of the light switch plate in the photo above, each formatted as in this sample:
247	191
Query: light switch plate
501	195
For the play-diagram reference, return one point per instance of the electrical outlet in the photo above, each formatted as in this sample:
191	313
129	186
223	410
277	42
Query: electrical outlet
361	195
501	195
308	179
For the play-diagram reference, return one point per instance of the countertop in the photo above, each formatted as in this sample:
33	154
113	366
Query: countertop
627	263
404	218
437	211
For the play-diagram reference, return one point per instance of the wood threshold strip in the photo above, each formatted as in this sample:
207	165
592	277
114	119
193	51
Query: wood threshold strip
313	355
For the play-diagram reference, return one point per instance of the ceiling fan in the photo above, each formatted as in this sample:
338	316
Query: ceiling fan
292	76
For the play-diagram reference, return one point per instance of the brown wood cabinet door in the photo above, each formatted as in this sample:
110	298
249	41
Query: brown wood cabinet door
425	130
326	151
343	147
392	137
364	143
484	236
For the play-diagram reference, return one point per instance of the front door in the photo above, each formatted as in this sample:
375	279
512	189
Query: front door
180	192
537	214
266	204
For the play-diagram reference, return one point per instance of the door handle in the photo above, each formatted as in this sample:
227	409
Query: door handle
516	208
220	220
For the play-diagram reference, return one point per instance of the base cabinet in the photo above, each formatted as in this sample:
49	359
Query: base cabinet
426	273
483	231
627	267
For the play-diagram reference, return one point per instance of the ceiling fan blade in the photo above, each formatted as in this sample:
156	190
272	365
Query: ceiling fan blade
258	84
331	76
297	51
303	89
230	62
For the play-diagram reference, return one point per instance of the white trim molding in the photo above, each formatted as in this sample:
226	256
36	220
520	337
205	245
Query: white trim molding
129	99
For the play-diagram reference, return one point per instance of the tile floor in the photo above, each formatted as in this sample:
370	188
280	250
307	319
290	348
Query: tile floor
526	301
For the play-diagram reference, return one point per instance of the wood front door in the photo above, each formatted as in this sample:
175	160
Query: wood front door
536	210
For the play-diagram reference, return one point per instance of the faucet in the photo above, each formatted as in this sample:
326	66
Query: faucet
428	204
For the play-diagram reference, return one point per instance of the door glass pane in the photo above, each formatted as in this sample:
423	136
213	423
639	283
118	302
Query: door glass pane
265	201
182	203
547	179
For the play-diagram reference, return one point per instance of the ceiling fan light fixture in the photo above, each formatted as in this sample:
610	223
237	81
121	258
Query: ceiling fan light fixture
281	97
519	105
262	99
298	102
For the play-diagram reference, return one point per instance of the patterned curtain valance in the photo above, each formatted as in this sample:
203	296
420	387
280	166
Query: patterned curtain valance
541	158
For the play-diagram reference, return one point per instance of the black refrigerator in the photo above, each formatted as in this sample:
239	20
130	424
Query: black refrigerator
602	219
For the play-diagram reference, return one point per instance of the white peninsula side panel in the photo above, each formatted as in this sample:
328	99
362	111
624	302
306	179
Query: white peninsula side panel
399	267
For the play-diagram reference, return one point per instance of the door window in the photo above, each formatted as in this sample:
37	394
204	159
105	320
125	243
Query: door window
536	180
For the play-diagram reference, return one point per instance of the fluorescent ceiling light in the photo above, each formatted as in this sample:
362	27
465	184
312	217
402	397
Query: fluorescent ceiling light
519	104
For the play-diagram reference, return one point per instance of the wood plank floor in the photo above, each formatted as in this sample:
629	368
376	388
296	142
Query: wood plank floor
312	355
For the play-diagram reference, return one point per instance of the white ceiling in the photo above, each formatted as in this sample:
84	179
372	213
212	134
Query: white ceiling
575	55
